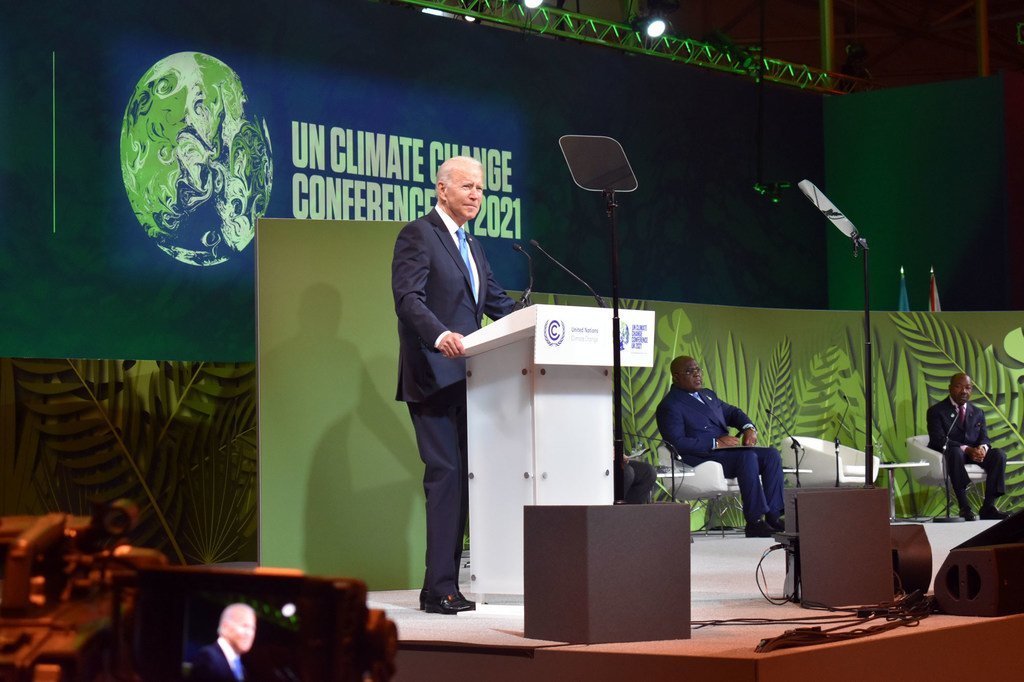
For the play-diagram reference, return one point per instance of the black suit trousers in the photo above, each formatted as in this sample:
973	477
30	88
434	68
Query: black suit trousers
440	423
994	465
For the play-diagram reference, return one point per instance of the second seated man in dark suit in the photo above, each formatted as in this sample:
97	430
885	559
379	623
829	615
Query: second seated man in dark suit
968	443
442	285
697	424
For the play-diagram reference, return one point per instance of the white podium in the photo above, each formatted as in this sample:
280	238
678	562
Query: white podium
539	411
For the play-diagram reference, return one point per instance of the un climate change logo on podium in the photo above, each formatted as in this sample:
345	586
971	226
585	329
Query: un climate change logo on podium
554	332
623	335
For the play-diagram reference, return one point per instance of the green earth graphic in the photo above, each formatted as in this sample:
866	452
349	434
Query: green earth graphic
197	171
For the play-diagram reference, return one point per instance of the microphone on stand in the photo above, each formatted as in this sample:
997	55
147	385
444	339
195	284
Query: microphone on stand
842	423
795	444
945	470
597	296
524	300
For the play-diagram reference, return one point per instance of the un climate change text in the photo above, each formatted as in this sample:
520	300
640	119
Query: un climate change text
367	175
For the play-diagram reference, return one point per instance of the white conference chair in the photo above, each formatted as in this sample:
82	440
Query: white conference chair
820	457
934	473
705	483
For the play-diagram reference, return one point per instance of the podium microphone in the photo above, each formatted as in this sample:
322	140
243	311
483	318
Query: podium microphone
597	297
795	444
524	300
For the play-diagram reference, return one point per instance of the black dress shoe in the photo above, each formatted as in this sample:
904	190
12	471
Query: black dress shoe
448	606
472	604
459	597
775	523
966	514
989	513
758	529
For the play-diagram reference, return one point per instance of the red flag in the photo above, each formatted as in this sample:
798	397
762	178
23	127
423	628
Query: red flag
933	296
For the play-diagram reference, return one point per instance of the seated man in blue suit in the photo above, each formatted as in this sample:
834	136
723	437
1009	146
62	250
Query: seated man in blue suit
697	423
958	427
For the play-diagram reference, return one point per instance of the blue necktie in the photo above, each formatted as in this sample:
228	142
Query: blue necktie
236	668
464	250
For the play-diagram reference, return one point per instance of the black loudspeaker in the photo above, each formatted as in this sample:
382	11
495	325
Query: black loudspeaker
982	581
615	573
843	548
984	576
911	558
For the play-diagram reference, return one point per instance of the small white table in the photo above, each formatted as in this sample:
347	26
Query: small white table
890	469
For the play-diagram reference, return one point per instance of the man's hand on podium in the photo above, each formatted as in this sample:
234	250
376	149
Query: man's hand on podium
451	345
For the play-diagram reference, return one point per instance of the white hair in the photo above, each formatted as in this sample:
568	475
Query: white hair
231	609
445	171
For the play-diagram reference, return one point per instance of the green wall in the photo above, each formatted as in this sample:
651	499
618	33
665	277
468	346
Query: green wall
922	172
340	477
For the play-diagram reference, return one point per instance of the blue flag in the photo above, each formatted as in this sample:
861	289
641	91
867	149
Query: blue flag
904	306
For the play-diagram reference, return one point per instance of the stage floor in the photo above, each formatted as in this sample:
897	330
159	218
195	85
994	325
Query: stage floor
490	643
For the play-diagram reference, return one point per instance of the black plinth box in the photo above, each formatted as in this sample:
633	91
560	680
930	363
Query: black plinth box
844	545
597	574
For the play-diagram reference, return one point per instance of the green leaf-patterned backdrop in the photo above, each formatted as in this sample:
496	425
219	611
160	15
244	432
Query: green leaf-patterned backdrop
180	437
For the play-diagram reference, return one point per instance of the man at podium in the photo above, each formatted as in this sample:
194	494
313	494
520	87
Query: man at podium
696	422
442	285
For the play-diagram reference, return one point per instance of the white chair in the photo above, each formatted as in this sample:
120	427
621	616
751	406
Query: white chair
705	482
934	474
820	457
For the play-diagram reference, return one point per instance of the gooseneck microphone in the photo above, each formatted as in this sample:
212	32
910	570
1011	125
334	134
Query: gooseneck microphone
524	300
597	296
794	444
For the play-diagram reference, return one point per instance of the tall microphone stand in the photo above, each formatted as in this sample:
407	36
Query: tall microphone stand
599	164
794	443
860	244
945	477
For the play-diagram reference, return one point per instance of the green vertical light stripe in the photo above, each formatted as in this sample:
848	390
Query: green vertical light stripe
53	135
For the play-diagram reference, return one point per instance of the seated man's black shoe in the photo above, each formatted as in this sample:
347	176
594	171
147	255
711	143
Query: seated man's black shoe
449	605
988	512
967	514
775	523
758	529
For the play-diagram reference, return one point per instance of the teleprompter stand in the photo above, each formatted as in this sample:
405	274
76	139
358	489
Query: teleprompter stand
599	164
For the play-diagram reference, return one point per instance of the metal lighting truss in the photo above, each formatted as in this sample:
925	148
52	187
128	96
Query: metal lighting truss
564	24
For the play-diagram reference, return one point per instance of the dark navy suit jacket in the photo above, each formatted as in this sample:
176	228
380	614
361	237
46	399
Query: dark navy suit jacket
941	417
210	665
432	292
692	427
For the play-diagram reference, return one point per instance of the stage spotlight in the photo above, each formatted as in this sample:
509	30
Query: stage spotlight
532	4
652	20
655	27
